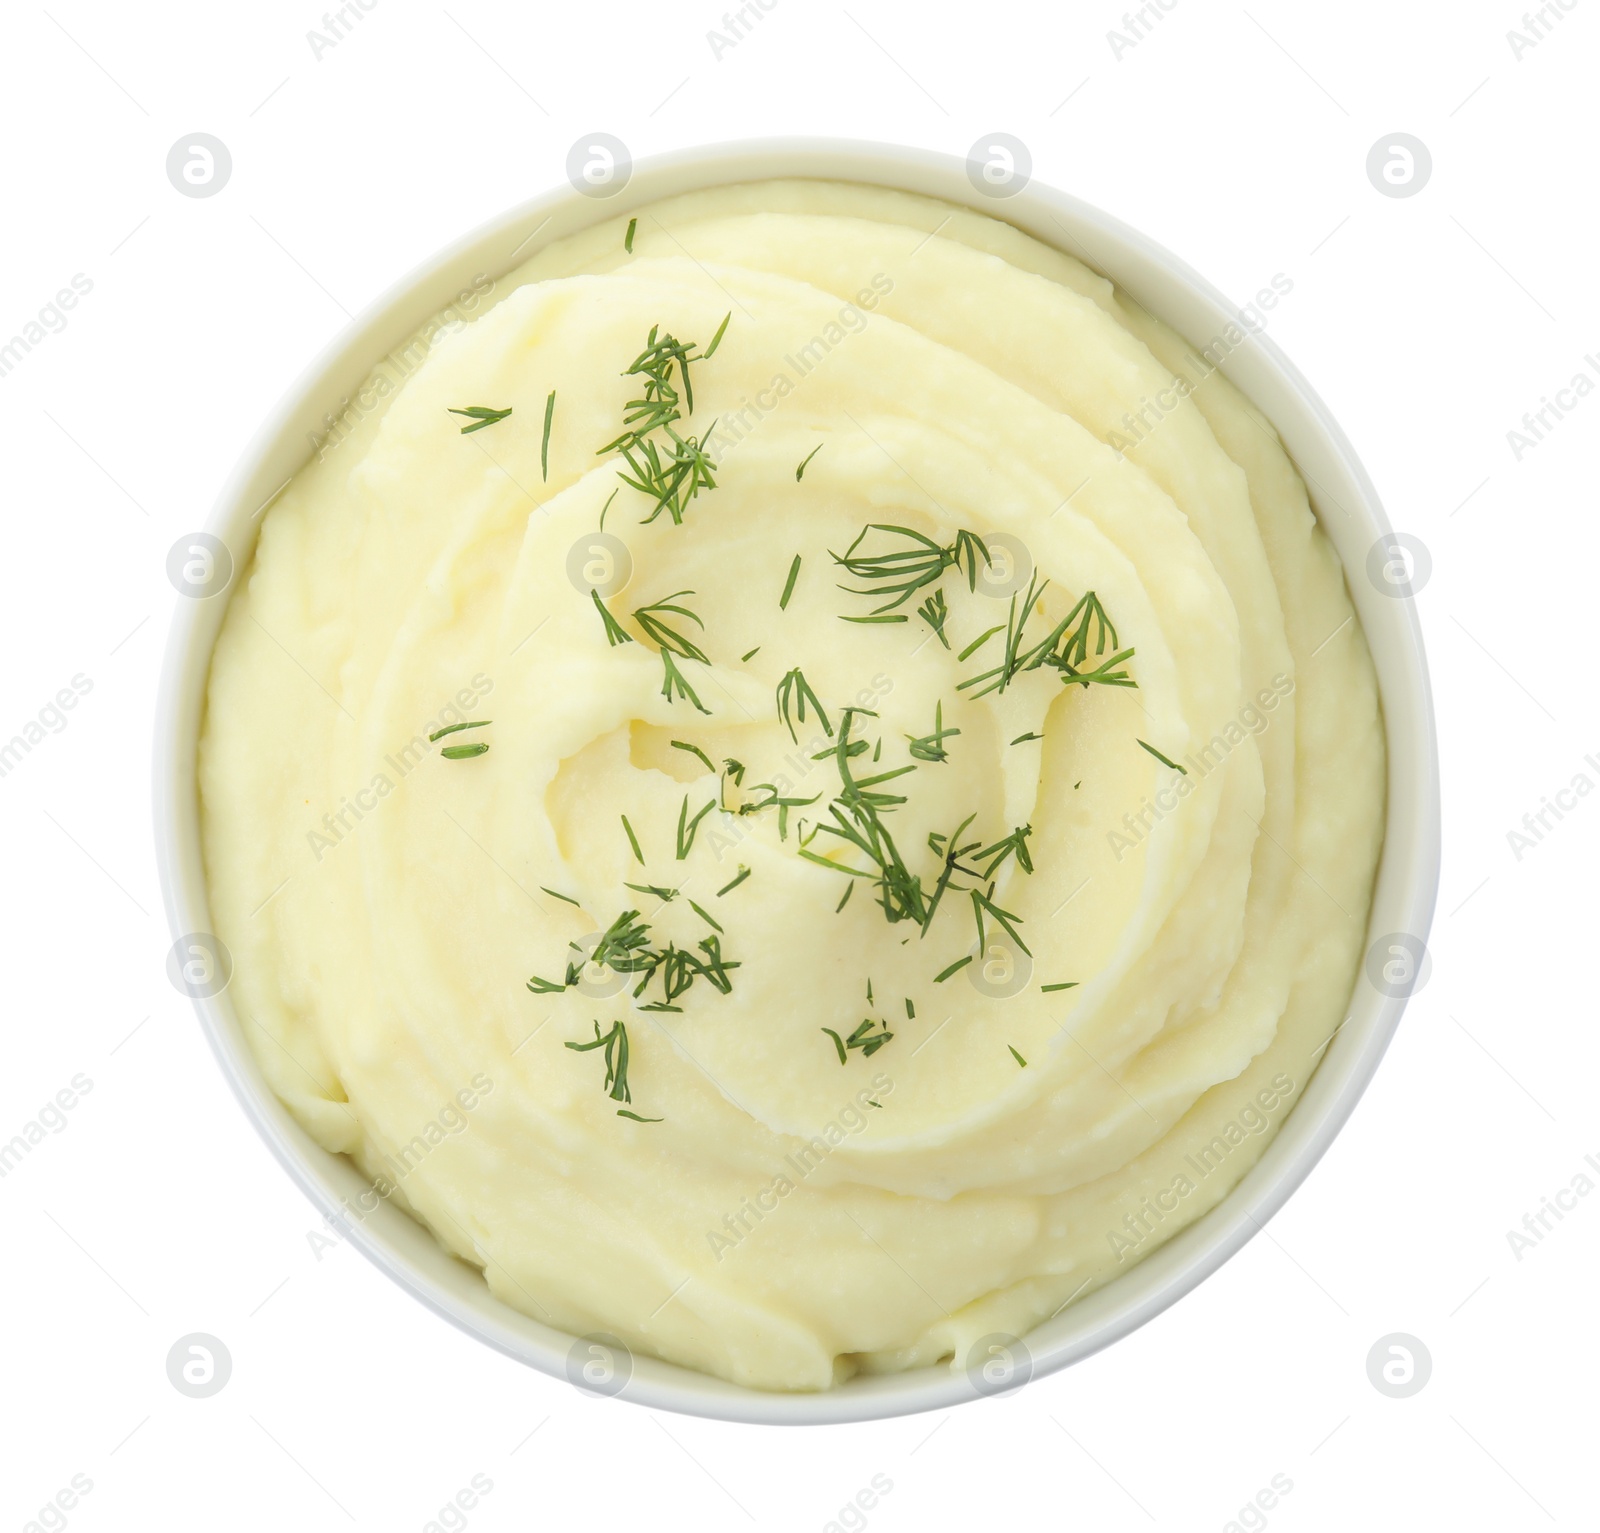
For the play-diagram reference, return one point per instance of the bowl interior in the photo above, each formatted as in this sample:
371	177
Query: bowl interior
1344	500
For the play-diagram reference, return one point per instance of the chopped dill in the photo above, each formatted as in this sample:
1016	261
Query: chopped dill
450	729
866	1040
862	1038
625	948
665	636
1165	761
482	415
983	904
694	750
738	879
1016	844
688	827
931	747
982	639
615	633
670	643
776	800
705	916
794	691
674	469
633	840
1065	648
675	684
615	1043
901	572
661	893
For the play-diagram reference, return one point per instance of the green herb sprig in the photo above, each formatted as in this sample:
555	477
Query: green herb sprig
862	1038
857	820
665	636
694	750
615	633
776	800
688	827
931	747
633	840
1065	648
856	817
983	905
673	471
615	1043
626	947
982	639
482	415
461	752
793	693
1164	760
1014	845
660	891
935	612
901	572
670	642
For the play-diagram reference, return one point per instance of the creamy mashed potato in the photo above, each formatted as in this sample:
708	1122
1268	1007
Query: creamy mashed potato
779	1179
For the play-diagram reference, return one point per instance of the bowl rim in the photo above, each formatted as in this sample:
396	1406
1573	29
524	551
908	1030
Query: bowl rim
1347	506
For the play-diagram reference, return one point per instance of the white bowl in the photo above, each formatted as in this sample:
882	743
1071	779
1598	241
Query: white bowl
1344	500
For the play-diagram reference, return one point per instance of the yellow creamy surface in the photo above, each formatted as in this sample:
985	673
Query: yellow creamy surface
792	1221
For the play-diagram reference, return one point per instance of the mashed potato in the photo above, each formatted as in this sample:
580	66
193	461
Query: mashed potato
790	994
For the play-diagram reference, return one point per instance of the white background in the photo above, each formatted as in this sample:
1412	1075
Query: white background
1239	139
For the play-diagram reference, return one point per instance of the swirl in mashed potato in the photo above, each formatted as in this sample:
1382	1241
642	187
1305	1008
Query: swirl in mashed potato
779	1194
